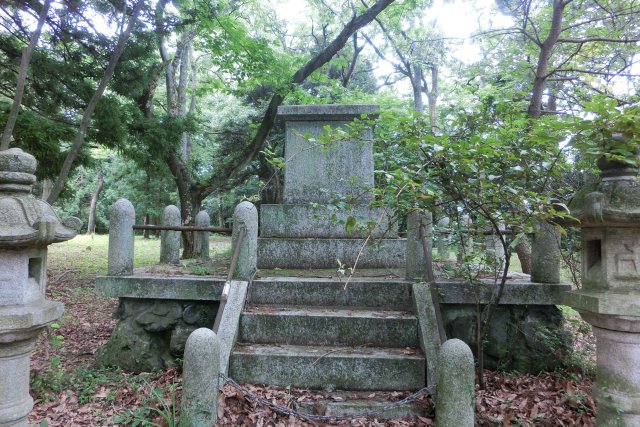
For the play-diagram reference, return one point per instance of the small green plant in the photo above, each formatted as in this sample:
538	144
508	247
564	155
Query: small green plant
201	270
156	411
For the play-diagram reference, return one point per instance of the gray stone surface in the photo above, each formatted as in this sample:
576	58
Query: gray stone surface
515	292
313	173
493	243
121	220
466	239
428	329
201	238
342	368
245	217
230	322
368	293
415	261
324	253
304	221
328	326
455	403
170	239
199	404
151	333
443	238
545	253
161	287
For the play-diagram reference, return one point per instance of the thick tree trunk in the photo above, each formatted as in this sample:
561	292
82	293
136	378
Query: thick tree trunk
22	78
145	220
91	222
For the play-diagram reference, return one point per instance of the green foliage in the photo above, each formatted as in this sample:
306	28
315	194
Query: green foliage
609	131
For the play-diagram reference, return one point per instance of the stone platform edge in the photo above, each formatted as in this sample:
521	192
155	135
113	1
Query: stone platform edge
161	287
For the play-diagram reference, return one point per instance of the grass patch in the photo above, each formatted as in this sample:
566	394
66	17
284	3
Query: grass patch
87	255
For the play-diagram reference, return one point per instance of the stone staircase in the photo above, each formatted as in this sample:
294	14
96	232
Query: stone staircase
314	333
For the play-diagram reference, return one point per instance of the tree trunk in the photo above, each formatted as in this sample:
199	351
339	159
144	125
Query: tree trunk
22	77
91	223
78	140
416	85
546	48
145	220
523	249
432	98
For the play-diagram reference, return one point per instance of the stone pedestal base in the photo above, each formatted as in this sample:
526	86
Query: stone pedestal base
617	389
324	253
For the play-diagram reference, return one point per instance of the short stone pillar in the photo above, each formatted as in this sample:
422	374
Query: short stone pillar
200	378
465	243
121	239
415	262
455	399
609	299
201	238
545	253
442	238
27	227
493	244
245	218
170	239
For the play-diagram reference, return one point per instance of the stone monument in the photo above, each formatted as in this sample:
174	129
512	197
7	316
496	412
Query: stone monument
27	226
609	215
306	231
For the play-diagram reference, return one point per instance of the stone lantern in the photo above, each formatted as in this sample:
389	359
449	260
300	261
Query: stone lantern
609	215
27	226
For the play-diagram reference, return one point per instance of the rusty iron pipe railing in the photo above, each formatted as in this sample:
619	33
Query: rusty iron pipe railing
222	230
227	284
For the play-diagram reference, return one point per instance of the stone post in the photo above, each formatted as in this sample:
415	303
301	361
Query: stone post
27	227
493	244
466	238
609	299
200	378
442	238
169	239
415	262
201	238
455	400
545	253
245	217
121	239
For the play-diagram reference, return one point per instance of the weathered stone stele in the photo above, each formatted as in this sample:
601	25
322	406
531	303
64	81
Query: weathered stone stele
609	215
300	232
27	226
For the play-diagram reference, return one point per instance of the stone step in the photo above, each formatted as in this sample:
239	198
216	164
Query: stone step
358	293
323	253
327	326
323	367
355	404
